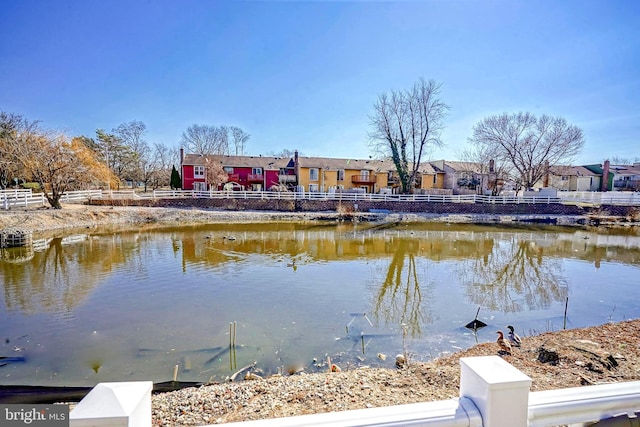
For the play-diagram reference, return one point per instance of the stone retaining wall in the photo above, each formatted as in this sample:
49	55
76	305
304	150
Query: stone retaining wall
360	206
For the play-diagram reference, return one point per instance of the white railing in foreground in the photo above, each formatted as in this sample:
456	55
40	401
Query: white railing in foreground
493	393
583	404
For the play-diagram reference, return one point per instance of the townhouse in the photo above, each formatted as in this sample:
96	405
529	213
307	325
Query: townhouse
329	175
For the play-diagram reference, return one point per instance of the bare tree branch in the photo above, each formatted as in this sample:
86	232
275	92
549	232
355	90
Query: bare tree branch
405	125
525	146
205	139
239	139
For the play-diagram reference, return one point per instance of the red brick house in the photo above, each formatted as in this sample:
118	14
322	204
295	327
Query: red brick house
255	173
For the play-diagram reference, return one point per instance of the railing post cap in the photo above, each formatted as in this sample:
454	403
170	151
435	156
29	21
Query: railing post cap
494	371
114	399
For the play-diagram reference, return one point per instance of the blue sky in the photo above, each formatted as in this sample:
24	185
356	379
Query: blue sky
305	75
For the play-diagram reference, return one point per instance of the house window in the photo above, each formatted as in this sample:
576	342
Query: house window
256	171
364	174
435	179
565	178
313	188
313	175
198	171
228	169
340	174
200	186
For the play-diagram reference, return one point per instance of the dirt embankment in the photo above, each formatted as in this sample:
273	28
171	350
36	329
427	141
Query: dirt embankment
75	216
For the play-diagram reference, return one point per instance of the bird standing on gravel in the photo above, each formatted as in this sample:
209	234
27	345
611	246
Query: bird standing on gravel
514	339
504	345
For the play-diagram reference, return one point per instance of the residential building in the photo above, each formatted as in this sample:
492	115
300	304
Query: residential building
324	174
571	178
243	172
464	177
626	177
431	176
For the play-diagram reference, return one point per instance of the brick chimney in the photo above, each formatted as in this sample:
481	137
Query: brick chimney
605	176
545	178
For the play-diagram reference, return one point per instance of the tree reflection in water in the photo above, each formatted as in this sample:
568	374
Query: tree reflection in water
399	299
515	276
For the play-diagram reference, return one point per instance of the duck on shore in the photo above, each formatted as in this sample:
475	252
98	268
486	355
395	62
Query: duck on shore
503	344
514	339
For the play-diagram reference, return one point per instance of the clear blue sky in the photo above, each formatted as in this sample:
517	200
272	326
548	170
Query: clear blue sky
305	75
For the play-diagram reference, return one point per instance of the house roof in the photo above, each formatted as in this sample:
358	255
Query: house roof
429	169
572	171
328	163
267	163
475	167
625	169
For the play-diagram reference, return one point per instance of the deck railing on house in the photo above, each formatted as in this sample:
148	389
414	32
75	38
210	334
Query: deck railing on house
493	393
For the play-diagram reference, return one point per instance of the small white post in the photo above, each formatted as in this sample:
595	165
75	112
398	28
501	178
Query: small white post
498	389
122	404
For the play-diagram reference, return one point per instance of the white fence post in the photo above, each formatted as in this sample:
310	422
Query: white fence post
126	404
498	389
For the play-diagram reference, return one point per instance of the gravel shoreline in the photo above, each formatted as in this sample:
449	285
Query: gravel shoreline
597	355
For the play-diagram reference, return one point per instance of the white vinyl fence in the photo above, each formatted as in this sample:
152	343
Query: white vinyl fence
20	198
598	198
25	198
352	196
80	196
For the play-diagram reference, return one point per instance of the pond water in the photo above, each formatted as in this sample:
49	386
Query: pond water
133	305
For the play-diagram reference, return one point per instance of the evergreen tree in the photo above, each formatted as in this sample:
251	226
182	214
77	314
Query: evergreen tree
176	182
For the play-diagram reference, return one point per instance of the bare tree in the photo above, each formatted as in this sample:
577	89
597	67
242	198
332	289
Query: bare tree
58	164
161	165
116	154
618	160
205	139
526	145
239	139
215	173
497	173
285	152
131	135
13	127
406	124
